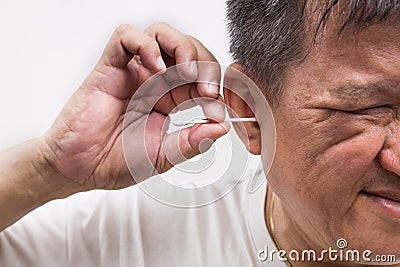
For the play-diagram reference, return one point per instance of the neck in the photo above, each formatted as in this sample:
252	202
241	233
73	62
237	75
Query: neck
288	236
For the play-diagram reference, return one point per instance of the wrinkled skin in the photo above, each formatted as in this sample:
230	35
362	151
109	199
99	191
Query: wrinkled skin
338	140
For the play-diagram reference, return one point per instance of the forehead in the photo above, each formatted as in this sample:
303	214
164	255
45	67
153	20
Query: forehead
369	55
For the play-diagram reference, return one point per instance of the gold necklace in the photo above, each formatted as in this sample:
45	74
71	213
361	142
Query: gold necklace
271	223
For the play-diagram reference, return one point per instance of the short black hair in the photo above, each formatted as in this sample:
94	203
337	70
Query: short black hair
268	35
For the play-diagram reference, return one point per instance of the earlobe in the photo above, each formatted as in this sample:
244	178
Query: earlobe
240	104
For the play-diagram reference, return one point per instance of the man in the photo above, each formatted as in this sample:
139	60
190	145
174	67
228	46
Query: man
330	72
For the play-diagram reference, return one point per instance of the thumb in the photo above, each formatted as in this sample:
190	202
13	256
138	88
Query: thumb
182	145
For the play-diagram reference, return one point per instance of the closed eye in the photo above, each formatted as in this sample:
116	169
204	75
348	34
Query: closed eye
374	110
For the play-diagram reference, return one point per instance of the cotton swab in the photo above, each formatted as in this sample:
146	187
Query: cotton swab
202	121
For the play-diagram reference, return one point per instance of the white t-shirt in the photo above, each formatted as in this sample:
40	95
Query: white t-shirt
129	228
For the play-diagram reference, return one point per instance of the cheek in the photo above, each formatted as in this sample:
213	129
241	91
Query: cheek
342	166
319	166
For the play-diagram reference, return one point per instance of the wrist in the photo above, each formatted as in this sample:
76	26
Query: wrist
55	184
27	181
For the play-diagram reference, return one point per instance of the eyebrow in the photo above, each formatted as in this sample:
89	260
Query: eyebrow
366	90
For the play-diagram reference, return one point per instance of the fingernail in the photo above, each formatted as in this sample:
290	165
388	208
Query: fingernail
161	63
213	87
193	68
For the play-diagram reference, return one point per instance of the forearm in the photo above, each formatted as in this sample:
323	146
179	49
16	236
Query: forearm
27	181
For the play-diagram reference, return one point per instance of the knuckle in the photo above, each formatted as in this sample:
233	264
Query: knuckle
150	44
160	25
200	46
191	48
192	38
121	29
188	43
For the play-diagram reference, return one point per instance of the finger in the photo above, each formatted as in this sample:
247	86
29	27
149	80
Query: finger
187	96
191	142
191	138
213	109
209	70
185	49
176	45
177	99
208	84
127	42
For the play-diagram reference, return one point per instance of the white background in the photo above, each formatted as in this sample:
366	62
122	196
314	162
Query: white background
48	47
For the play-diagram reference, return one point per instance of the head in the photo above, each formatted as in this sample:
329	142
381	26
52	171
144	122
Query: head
331	73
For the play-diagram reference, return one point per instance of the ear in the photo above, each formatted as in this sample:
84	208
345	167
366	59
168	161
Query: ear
241	107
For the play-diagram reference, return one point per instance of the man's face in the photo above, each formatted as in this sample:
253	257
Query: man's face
337	123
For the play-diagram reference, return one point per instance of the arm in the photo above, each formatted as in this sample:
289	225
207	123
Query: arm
27	181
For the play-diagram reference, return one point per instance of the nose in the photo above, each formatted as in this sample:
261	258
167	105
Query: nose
389	156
